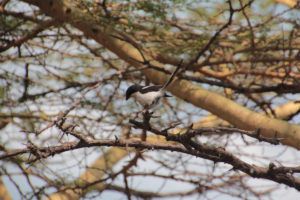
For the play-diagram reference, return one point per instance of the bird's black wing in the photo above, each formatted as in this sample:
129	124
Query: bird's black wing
151	88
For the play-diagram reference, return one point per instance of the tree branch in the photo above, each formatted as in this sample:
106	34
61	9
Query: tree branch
68	11
278	174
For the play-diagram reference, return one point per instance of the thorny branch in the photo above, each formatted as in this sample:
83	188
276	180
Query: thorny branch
185	143
219	154
39	28
218	32
237	57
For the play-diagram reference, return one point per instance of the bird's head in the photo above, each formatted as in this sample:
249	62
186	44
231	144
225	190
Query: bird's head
131	90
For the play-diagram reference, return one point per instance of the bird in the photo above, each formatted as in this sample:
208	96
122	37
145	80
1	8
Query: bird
149	96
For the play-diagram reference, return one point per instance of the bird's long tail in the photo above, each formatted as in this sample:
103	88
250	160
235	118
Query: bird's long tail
172	76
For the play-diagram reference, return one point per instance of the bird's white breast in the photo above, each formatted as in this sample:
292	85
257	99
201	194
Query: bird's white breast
148	98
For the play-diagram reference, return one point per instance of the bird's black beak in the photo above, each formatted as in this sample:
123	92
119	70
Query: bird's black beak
127	96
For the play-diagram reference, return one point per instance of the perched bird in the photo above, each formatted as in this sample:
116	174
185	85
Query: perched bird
149	96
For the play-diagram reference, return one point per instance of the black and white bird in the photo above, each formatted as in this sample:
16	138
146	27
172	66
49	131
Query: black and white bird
149	96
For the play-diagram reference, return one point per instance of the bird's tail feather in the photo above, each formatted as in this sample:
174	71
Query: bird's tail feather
172	76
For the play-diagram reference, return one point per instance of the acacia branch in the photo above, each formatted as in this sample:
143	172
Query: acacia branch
278	174
4	194
39	28
215	154
241	117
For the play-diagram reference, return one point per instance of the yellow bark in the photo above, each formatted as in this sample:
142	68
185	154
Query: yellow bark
95	172
4	194
107	161
69	11
290	3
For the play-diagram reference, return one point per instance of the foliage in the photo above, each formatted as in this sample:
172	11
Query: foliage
66	130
